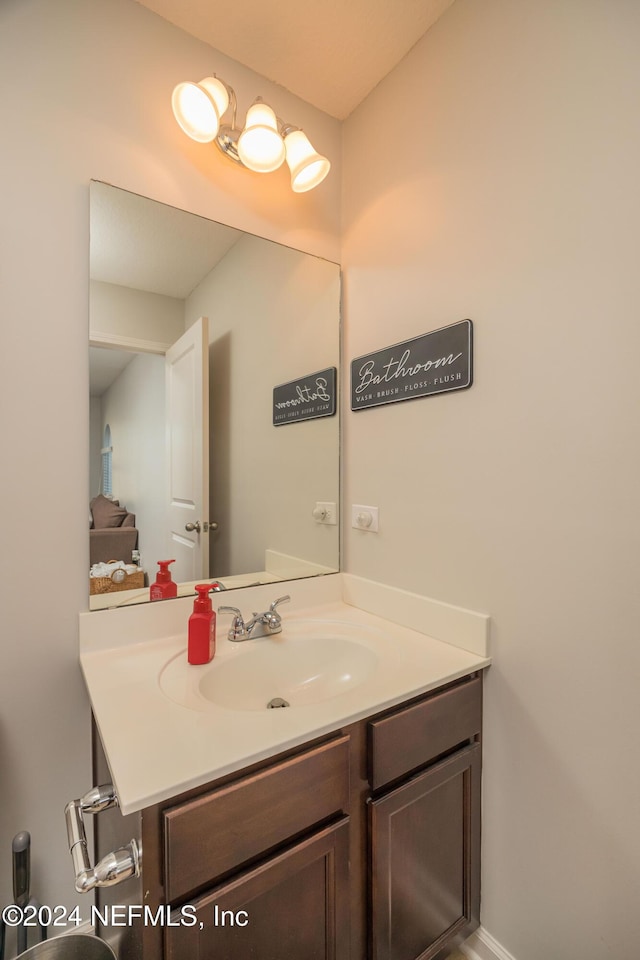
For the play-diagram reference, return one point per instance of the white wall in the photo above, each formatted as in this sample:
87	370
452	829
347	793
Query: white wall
137	314
510	196
90	84
273	317
134	408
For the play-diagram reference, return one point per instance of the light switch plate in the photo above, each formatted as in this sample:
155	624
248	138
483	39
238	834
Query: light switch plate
364	518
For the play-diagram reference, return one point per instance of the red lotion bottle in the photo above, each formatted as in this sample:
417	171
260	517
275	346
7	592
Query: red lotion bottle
202	627
164	586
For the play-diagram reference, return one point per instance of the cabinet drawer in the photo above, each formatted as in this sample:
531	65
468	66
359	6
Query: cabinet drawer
221	830
410	738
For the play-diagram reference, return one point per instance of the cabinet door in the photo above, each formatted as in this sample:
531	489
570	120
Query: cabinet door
425	870
294	906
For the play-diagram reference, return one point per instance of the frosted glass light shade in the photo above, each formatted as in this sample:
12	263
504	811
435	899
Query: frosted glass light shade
198	107
308	168
260	145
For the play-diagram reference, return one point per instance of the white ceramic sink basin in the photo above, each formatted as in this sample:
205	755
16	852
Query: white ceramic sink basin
309	662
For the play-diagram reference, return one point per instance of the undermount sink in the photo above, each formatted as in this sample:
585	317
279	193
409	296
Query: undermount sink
309	662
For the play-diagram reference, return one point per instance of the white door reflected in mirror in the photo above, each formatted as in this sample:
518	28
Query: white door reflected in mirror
187	418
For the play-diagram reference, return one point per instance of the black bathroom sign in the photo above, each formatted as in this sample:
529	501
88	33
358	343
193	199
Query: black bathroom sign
307	398
436	362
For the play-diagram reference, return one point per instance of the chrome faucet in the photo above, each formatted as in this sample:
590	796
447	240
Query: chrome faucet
261	624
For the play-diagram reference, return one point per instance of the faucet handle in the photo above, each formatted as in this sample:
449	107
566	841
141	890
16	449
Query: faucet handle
272	618
237	628
235	610
279	600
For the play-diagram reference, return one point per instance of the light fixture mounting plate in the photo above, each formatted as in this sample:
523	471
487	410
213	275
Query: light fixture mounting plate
227	141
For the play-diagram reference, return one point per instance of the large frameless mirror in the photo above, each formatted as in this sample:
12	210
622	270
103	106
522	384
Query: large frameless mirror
214	437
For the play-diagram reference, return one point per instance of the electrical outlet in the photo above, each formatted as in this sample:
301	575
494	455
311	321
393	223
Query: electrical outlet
325	512
364	518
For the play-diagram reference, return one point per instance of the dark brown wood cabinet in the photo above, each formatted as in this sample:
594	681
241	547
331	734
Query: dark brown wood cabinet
220	831
296	905
424	824
362	845
425	882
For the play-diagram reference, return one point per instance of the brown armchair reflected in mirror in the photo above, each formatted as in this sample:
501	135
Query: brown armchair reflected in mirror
112	531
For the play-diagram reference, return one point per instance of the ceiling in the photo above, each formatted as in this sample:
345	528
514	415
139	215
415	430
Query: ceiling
140	243
105	366
330	53
146	245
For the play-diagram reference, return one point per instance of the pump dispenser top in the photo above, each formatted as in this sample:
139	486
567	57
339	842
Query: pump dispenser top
202	603
164	574
164	586
202	627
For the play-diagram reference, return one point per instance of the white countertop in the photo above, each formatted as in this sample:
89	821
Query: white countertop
156	748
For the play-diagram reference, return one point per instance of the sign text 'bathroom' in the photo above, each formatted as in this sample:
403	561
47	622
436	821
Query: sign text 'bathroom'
306	398
436	362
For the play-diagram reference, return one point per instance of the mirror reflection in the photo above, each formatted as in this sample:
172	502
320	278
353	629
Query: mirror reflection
192	326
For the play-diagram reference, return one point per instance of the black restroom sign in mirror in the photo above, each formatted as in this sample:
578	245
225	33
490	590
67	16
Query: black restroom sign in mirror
436	362
306	398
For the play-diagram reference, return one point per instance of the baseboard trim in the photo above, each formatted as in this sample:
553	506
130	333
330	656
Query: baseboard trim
482	946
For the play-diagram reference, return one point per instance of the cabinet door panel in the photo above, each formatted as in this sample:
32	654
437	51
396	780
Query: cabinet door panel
295	905
425	848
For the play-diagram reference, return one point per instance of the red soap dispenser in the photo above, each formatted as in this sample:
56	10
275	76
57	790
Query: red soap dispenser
202	627
164	586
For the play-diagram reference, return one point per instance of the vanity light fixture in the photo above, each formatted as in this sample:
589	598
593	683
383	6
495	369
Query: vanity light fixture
262	145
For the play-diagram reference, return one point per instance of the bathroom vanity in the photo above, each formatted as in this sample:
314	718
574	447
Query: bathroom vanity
362	843
359	837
